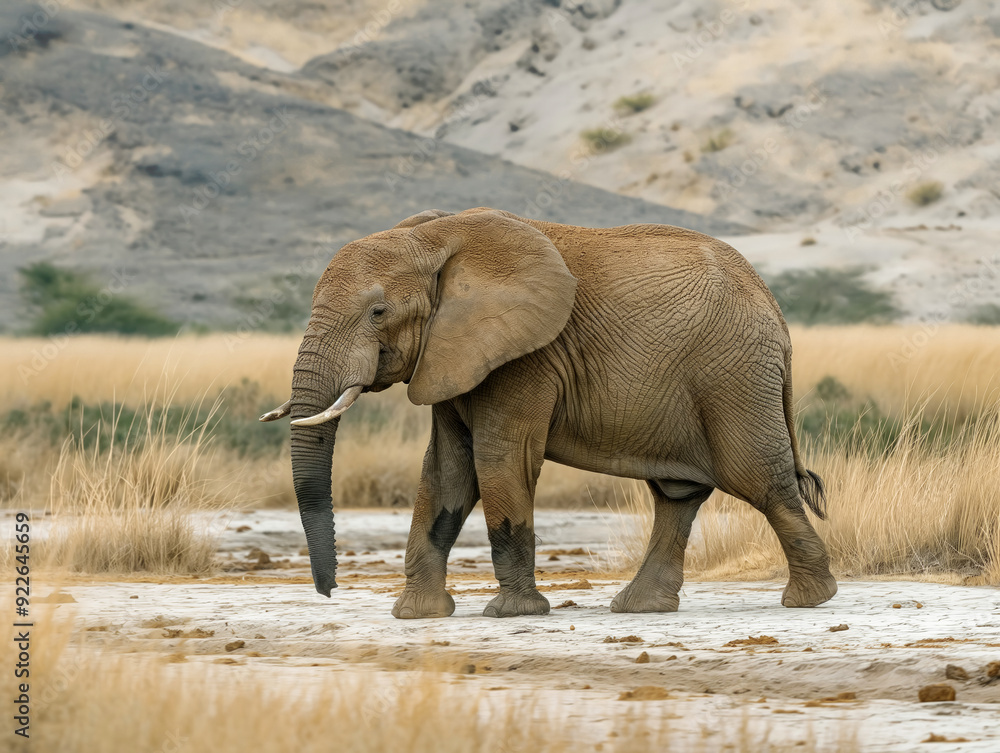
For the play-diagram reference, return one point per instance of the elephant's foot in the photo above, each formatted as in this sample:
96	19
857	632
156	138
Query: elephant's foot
637	598
809	590
509	603
415	603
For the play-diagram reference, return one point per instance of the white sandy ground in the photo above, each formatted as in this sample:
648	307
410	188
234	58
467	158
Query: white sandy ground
560	662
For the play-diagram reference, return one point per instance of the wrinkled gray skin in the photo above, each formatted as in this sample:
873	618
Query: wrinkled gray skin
644	351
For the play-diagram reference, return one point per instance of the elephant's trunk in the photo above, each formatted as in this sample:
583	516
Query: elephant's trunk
312	459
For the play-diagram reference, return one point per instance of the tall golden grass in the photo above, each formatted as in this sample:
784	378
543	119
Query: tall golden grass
953	367
915	508
918	509
85	700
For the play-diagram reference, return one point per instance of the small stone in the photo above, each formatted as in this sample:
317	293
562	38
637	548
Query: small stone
672	657
839	628
567	603
919	605
553	558
235	645
642	658
645	693
955	672
993	669
897	606
133	597
941	691
572	627
242	529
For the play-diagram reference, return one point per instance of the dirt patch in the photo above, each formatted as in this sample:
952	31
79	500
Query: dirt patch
623	639
760	640
645	693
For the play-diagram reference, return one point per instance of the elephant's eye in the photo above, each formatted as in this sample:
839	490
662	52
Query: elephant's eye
377	313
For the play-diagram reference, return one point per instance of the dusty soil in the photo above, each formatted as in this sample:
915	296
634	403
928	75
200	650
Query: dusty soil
732	653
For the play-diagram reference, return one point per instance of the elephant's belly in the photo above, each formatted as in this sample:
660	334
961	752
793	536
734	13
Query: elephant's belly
630	462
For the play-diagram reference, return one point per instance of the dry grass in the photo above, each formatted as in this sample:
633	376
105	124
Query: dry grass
914	511
89	701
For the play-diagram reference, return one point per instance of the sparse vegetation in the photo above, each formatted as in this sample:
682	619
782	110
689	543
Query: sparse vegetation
604	139
67	303
717	141
925	193
985	315
633	103
830	296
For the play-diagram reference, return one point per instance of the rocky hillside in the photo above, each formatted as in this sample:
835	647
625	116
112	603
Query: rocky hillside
197	181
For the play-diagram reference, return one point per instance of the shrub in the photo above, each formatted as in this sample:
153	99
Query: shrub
604	139
65	302
633	103
718	142
987	314
925	193
830	296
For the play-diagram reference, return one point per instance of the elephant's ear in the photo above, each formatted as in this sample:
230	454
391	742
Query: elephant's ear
503	290
426	216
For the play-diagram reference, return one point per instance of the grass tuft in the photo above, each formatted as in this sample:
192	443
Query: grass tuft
604	139
633	103
925	193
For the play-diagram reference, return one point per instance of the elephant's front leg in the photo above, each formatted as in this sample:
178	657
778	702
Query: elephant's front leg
508	470
447	493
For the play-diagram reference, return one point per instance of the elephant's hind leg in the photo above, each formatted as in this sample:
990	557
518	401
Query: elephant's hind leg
656	586
447	493
810	582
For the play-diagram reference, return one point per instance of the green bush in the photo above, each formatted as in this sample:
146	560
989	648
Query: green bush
634	103
283	307
604	139
718	142
926	193
65	302
987	314
830	296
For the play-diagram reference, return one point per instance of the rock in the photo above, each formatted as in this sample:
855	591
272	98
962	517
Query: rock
955	672
839	628
993	669
624	639
235	645
642	658
133	597
645	693
941	691
897	606
567	603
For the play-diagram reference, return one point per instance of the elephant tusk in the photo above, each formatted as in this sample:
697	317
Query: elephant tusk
343	402
280	412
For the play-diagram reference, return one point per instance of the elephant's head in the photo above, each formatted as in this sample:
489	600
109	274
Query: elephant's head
437	302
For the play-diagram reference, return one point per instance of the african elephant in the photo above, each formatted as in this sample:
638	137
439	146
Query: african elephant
644	351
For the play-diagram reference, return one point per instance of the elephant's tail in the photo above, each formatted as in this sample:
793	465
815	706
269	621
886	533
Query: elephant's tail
810	484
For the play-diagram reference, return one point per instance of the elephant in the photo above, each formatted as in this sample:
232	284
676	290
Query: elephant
644	351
